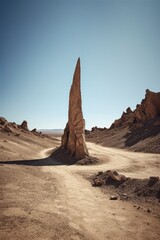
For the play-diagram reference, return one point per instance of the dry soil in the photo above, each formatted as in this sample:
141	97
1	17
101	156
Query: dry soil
42	199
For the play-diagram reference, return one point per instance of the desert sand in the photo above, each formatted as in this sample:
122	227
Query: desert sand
42	199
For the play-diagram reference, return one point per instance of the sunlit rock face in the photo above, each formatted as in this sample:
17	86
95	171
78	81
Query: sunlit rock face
73	138
148	109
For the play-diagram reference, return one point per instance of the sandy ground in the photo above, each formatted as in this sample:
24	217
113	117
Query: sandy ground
138	137
57	202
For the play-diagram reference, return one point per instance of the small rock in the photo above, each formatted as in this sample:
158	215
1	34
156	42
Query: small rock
148	210
17	134
34	130
113	197
138	208
97	183
125	196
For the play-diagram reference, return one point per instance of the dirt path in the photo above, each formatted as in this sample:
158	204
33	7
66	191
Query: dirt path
57	203
90	212
134	164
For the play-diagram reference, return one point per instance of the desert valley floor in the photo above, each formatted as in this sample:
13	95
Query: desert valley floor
44	200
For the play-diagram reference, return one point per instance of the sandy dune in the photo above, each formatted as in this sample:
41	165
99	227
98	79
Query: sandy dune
57	202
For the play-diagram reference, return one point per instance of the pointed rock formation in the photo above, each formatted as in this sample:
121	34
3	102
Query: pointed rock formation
73	138
24	125
149	107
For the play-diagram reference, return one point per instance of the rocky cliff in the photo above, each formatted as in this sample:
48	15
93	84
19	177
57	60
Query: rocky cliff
138	130
148	109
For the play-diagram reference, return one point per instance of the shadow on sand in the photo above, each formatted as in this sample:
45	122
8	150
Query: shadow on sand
36	162
149	128
58	157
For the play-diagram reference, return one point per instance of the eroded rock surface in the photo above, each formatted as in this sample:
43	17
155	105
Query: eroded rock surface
148	109
73	138
109	178
24	125
7	128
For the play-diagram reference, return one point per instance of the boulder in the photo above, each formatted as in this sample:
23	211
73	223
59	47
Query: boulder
115	176
109	178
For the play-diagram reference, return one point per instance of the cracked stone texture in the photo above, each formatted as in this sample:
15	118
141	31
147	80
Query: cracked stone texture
73	138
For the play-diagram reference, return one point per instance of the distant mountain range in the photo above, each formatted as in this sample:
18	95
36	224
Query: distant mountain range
51	131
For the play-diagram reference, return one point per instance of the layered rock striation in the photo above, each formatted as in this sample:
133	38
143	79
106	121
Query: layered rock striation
73	138
148	109
137	130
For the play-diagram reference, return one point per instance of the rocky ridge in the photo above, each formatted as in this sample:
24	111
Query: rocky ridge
138	130
16	129
148	109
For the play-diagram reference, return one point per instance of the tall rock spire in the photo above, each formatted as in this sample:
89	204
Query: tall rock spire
73	138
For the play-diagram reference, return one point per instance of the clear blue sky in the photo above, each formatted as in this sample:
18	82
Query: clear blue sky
118	42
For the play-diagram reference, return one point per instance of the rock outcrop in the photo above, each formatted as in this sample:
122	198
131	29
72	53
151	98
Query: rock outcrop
34	130
137	130
73	138
24	125
7	129
11	128
5	126
148	109
3	121
109	178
